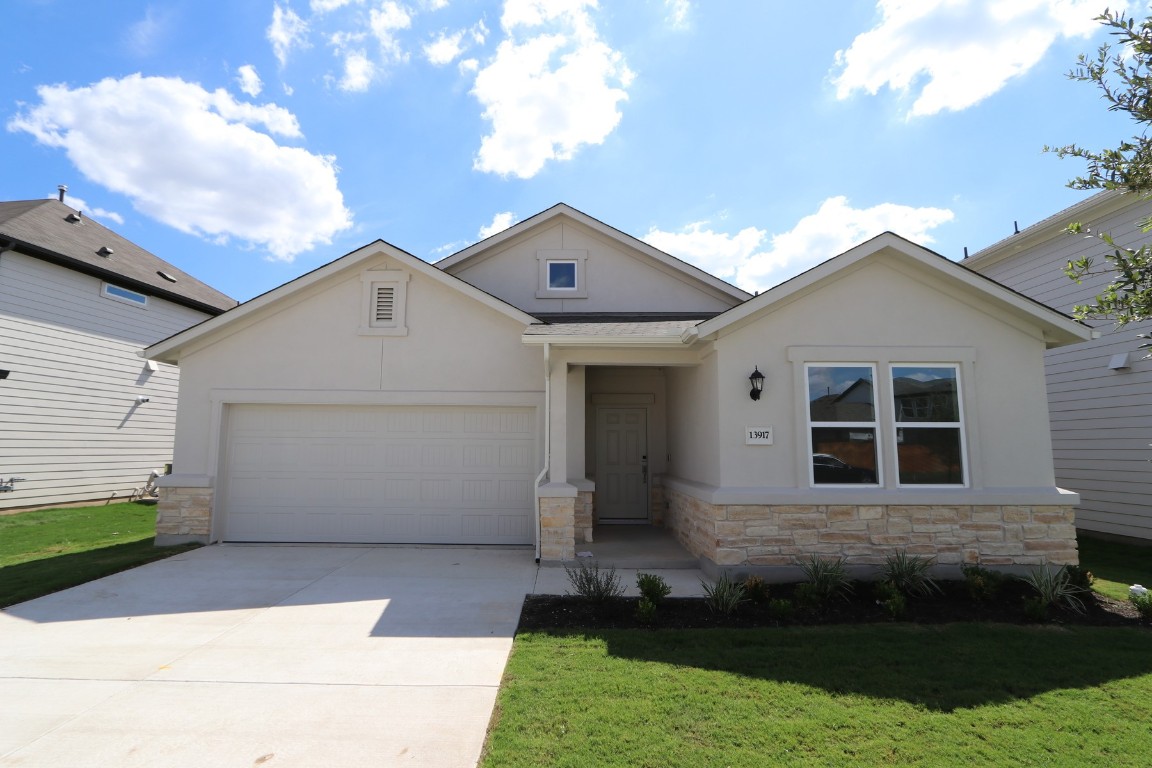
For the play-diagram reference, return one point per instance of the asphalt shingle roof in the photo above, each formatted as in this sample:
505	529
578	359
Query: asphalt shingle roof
42	228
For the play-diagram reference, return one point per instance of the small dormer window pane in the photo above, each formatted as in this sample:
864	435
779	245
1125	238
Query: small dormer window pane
562	275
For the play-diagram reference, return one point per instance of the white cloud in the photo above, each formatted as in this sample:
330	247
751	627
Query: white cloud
385	22
500	222
756	262
194	160
678	13
146	35
952	54
358	72
552	87
445	48
287	31
249	80
327	6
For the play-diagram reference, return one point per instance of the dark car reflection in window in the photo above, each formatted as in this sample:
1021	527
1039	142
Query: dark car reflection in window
827	469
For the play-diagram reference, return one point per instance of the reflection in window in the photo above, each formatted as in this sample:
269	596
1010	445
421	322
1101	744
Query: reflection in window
842	421
929	439
561	275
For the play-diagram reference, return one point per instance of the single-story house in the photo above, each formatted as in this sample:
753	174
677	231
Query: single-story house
562	376
84	416
1098	390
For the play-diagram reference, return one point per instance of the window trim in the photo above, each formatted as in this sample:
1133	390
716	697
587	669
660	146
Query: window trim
106	290
371	282
874	425
545	258
963	357
959	424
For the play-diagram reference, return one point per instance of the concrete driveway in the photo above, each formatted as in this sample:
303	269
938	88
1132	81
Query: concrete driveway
265	656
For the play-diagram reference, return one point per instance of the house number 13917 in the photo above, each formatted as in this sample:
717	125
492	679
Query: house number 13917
758	436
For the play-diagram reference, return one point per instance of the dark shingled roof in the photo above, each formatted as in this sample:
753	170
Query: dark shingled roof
43	229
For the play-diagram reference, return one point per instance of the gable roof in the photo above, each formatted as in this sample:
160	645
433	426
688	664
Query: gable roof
1058	328
169	350
460	259
54	232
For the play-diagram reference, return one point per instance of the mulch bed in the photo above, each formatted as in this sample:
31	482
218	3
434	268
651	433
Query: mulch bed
545	612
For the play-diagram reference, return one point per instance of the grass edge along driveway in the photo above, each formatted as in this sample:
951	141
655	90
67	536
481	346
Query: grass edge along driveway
49	550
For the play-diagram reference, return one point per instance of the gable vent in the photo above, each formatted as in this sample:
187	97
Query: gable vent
385	303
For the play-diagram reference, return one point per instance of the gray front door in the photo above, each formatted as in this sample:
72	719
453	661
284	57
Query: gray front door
622	465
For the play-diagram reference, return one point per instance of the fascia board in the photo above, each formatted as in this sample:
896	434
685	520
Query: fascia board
603	341
1056	327
623	239
1051	228
168	350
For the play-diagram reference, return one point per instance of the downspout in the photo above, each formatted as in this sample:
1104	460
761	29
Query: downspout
547	438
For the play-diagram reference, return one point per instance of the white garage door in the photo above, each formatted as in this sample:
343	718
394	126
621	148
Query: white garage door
379	474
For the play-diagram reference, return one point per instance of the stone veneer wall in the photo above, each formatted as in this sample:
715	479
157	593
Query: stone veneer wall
735	535
658	500
183	514
584	515
557	527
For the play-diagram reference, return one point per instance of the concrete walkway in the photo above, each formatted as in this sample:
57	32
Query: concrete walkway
270	656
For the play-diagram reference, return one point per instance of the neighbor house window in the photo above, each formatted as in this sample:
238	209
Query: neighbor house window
124	295
929	425
561	275
384	304
842	424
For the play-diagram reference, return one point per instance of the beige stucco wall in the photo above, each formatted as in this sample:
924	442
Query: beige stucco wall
456	351
694	418
885	312
618	279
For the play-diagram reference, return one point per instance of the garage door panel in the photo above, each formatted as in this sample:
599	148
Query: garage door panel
425	475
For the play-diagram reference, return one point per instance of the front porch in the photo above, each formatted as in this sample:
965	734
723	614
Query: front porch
632	547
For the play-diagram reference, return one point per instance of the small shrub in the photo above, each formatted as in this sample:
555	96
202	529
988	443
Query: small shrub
652	587
1036	609
909	574
725	596
756	589
781	609
828	579
1080	578
981	583
807	595
1054	588
646	611
1142	599
592	584
891	599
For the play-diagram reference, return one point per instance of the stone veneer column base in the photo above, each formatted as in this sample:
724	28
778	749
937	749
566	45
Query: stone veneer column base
584	516
786	536
183	515
558	527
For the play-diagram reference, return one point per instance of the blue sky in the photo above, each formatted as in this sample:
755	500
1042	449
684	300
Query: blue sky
249	142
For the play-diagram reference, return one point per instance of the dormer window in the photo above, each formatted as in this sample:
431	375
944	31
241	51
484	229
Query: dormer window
562	274
384	303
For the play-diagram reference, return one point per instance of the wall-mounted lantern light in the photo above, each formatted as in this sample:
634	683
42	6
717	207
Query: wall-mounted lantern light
757	380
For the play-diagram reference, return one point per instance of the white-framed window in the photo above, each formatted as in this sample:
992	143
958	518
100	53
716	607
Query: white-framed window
843	433
116	293
384	305
562	274
928	424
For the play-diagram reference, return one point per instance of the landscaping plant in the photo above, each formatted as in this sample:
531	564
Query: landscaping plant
592	584
982	584
824	580
756	589
908	574
725	596
1053	587
653	588
1141	598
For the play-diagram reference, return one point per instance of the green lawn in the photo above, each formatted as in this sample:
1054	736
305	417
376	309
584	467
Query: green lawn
892	694
53	549
1116	566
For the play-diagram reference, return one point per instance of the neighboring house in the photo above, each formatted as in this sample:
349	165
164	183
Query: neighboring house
562	376
1099	391
78	304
